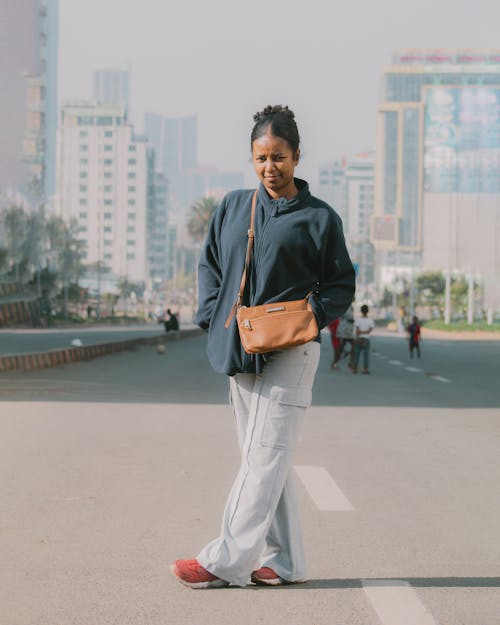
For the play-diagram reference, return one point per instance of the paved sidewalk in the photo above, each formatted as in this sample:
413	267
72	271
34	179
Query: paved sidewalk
451	335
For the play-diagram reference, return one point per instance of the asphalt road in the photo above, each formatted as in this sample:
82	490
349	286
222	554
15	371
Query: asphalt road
111	469
27	341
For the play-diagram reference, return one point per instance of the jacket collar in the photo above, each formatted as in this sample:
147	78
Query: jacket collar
282	205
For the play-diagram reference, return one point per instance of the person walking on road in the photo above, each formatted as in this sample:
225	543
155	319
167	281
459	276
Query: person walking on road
299	248
333	328
172	323
345	333
362	328
414	336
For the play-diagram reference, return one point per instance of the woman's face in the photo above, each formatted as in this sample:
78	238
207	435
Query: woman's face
274	163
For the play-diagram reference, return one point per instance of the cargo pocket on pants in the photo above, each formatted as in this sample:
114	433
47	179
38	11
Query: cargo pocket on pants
285	407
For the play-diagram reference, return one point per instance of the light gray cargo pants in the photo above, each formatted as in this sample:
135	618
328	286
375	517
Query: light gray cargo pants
260	525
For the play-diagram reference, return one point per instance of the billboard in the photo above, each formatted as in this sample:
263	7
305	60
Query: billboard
462	140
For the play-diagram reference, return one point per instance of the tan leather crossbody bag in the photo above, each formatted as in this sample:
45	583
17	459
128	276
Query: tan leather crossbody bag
274	326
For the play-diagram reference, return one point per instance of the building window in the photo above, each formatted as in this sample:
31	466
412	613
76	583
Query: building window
131	148
104	121
108	188
108	256
131	202
108	148
131	242
108	161
84	161
108	133
108	215
131	229
85	120
108	202
131	189
84	147
83	174
82	229
131	174
84	133
83	188
130	256
108	229
132	161
108	174
108	243
83	215
131	215
83	201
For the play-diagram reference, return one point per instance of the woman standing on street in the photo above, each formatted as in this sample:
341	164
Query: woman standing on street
299	248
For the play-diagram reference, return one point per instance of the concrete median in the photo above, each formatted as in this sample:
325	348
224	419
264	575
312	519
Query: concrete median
68	355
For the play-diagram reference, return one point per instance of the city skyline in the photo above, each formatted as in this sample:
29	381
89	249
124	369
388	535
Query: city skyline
326	65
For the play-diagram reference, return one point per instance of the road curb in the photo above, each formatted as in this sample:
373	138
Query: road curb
68	355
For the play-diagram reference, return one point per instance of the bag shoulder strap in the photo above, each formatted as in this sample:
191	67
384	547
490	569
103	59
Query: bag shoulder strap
246	269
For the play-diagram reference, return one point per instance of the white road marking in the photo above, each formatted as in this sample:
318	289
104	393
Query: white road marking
396	602
322	489
395	362
413	369
439	378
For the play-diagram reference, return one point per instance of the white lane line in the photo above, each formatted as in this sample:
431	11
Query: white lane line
438	378
396	362
413	369
396	603
322	489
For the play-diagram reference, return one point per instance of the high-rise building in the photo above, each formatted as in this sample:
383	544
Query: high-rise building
176	145
112	86
438	163
359	198
175	141
332	185
105	182
158	245
28	105
348	186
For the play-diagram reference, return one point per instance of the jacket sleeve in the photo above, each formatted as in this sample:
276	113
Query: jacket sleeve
337	280
209	271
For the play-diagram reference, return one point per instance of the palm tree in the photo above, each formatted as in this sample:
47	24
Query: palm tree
200	216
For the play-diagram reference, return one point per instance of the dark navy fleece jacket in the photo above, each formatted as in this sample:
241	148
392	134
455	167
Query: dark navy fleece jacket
298	247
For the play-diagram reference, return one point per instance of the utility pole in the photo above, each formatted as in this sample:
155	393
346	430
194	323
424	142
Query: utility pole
470	300
447	298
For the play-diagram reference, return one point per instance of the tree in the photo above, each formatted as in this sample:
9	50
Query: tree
34	243
70	259
431	287
200	216
15	234
67	252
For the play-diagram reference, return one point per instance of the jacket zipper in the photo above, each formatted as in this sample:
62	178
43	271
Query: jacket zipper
257	249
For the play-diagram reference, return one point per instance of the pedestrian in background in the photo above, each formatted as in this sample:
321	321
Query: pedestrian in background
333	327
345	333
362	328
299	248
172	323
414	336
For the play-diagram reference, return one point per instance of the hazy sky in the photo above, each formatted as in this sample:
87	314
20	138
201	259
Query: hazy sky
225	59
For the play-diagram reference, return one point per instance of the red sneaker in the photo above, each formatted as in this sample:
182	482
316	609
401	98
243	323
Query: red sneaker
265	576
192	574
